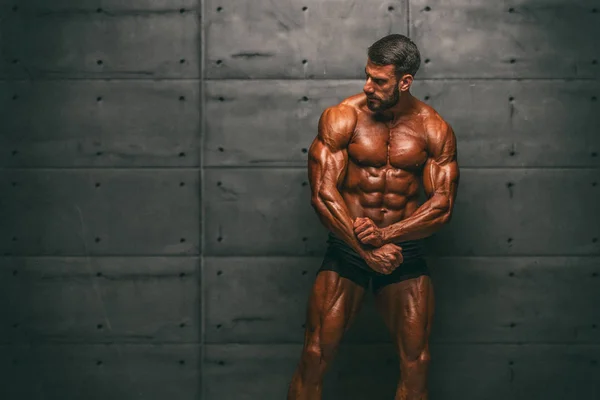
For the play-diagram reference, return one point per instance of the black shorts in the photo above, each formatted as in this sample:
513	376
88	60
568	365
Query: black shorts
342	258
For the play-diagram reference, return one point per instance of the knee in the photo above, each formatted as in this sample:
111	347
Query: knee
315	359
417	358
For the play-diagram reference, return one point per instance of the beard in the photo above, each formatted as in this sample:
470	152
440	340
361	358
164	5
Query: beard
382	105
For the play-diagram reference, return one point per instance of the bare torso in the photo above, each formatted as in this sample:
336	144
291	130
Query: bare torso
385	164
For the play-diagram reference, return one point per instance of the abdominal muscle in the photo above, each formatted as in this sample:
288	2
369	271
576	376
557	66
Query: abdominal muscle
384	194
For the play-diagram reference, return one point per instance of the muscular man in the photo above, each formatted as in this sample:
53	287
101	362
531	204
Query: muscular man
373	153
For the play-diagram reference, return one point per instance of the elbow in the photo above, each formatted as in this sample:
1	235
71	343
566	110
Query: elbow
446	217
315	202
441	203
320	208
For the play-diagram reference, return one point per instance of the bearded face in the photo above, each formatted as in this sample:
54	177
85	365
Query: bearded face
381	87
377	104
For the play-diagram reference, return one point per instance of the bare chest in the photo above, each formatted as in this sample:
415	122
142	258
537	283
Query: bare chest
377	145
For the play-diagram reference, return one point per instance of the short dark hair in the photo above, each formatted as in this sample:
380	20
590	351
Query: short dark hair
398	50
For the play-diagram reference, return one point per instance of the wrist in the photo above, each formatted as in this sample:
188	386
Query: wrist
363	252
386	235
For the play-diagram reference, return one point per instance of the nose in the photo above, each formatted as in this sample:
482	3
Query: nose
368	88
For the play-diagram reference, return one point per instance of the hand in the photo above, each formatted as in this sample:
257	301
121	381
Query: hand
384	259
367	232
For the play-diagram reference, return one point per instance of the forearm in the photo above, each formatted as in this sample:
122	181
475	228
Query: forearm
333	213
425	221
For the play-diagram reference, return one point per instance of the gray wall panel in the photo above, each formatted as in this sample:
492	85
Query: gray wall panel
83	123
457	372
288	39
524	212
95	372
497	123
531	123
260	211
527	39
93	5
478	299
92	45
133	299
257	299
91	212
498	212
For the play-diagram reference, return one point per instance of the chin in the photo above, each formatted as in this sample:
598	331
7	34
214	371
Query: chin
374	106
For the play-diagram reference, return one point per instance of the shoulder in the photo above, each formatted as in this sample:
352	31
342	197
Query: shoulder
434	126
337	124
438	132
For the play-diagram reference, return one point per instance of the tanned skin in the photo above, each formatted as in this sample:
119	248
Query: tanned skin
373	153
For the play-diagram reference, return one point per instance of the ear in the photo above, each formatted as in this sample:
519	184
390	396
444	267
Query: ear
405	81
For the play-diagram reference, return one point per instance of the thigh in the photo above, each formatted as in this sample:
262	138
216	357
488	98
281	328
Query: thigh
333	303
407	308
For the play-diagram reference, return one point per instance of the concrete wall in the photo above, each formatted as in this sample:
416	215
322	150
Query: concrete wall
156	235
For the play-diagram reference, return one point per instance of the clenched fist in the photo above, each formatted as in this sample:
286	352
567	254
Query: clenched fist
384	259
367	232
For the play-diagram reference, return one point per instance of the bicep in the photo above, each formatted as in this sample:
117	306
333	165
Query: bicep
440	178
441	173
326	167
328	154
